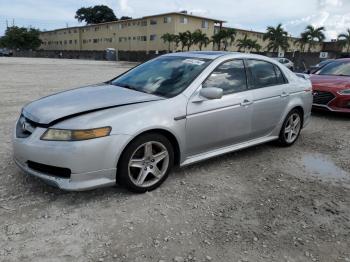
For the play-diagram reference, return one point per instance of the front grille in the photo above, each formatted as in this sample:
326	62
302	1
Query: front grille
24	127
322	98
50	170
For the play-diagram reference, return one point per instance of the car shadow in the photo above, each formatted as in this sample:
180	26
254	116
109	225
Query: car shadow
331	115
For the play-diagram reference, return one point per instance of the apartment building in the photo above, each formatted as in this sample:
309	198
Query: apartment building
142	34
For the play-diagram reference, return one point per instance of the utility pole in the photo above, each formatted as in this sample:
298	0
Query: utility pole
13	22
7	23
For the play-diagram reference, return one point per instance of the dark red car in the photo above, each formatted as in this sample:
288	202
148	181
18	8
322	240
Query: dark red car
331	86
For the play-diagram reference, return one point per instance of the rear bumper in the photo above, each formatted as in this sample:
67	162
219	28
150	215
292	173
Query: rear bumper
92	163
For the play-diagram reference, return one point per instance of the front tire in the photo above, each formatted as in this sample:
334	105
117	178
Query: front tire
145	163
291	128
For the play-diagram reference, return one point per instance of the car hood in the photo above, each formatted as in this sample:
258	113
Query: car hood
54	108
331	83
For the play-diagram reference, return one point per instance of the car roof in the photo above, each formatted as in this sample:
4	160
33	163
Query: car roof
342	59
212	55
202	54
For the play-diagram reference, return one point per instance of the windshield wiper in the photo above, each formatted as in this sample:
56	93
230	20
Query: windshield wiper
125	86
342	75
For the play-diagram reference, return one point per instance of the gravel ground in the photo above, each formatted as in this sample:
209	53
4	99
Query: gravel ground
261	204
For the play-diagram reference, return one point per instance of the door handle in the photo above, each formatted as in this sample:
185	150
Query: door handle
246	102
284	94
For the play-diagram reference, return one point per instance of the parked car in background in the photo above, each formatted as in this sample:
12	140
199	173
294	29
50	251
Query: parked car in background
5	52
331	86
321	64
286	62
176	109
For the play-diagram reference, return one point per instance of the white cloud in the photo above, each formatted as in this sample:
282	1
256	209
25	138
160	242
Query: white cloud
295	15
124	6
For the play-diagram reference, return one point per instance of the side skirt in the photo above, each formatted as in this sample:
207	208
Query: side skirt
224	150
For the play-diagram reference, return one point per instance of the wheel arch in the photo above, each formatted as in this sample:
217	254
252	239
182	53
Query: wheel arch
169	135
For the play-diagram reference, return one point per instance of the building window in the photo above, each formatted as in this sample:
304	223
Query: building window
95	40
65	42
75	31
152	37
70	42
144	23
183	20
167	19
143	38
75	41
153	22
97	28
205	24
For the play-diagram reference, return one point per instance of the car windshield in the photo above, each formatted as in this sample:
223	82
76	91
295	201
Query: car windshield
165	76
338	68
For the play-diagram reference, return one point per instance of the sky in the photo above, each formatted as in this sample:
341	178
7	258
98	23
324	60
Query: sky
256	15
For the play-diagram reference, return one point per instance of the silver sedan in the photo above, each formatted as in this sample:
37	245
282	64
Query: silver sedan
177	109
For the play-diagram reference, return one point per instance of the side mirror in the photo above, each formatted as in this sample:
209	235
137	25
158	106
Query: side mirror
211	92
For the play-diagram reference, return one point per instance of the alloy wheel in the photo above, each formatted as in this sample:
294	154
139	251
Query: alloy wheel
148	164
292	128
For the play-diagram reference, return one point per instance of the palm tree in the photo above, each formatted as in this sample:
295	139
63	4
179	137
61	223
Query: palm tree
302	41
255	45
168	38
176	41
249	44
278	38
229	36
314	34
200	39
243	43
217	38
189	39
344	40
183	39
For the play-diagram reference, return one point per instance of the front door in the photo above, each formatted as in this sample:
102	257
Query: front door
217	123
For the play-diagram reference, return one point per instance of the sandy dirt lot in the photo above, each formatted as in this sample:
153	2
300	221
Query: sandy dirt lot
261	204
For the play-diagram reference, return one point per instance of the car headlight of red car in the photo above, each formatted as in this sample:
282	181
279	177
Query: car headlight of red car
345	92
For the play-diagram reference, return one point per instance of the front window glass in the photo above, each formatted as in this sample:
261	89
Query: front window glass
166	76
337	68
229	76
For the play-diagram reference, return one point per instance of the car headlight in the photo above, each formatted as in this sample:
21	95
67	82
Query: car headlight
54	134
344	92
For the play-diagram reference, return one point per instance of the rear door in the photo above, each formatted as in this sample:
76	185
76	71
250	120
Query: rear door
270	95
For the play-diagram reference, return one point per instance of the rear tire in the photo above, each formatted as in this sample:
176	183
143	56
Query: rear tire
145	163
291	128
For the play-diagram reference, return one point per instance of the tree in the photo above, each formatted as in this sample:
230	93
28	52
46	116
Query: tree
302	42
344	40
228	37
95	14
255	45
243	43
217	38
125	18
248	44
314	34
21	38
277	37
168	38
200	39
186	40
